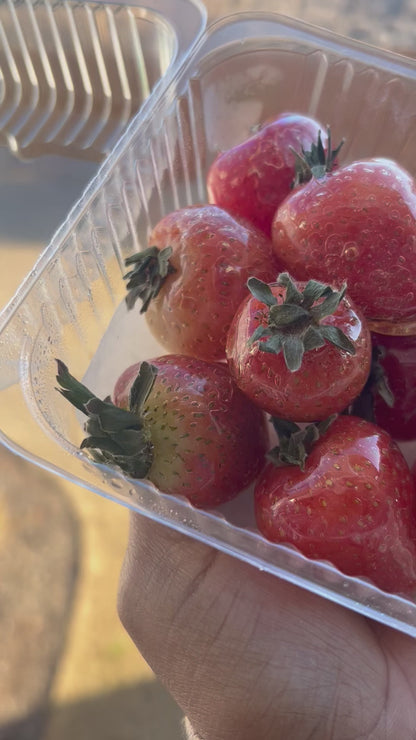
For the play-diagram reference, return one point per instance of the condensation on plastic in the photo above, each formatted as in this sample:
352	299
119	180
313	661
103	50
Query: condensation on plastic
243	70
73	74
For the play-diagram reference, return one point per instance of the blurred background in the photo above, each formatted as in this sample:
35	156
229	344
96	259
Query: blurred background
67	668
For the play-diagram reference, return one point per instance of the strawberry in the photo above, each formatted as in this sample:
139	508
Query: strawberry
299	351
252	178
355	224
389	395
395	410
178	421
193	277
346	496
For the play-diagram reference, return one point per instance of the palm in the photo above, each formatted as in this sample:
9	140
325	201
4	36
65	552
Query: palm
247	655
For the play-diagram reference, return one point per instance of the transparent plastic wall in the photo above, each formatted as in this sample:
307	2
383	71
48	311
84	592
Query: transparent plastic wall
73	74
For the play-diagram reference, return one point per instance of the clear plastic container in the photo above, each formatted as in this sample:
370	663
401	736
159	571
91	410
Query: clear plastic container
243	70
73	74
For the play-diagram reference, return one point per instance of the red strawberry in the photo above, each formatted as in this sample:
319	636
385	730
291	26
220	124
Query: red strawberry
179	422
253	178
193	277
299	352
396	356
389	396
353	503
356	224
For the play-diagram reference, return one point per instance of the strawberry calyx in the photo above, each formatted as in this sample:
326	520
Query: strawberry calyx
144	281
316	162
294	326
376	385
296	442
116	436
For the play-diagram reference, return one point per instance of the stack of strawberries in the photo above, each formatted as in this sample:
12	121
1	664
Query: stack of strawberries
286	301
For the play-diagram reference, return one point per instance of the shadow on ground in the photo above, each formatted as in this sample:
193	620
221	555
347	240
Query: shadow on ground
139	712
39	557
39	561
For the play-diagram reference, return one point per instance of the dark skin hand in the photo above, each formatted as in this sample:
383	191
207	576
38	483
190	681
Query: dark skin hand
249	656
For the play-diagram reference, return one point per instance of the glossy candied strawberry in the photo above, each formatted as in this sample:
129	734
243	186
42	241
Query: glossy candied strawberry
180	422
301	351
356	224
193	277
353	504
252	178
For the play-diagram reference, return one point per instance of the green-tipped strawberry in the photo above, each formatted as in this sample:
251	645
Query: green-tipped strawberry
180	422
300	351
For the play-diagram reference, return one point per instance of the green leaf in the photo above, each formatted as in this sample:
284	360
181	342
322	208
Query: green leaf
284	427
293	295
130	441
286	458
116	436
378	379
274	456
142	386
303	172
293	350
105	444
335	336
163	258
332	153
315	162
151	268
111	418
273	345
330	304
320	151
286	314
295	443
310	435
260	333
261	291
314	290
312	338
71	389
324	425
294	324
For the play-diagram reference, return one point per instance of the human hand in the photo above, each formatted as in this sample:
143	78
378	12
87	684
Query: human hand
248	656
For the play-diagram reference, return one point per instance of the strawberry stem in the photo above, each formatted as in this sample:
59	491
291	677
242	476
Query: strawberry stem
295	442
316	162
294	326
377	385
144	281
115	436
